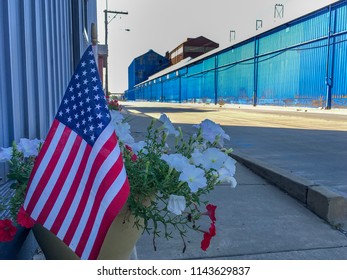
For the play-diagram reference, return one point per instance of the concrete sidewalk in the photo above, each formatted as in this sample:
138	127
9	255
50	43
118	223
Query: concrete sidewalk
256	220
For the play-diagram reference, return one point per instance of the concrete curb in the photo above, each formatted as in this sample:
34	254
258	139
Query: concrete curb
323	202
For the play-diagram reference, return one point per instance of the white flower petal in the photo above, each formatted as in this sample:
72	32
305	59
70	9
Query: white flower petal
195	177
5	154
29	147
177	161
176	204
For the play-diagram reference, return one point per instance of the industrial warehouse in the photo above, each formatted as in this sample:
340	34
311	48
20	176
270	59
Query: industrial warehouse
299	63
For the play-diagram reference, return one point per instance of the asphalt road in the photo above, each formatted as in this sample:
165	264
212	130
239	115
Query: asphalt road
310	143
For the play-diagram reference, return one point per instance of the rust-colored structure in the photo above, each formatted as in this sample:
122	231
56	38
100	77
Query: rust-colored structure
193	47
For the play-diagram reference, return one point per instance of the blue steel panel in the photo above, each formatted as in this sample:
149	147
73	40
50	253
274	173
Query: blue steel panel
341	18
235	84
233	55
339	90
313	28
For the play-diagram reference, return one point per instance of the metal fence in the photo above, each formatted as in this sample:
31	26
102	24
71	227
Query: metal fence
300	63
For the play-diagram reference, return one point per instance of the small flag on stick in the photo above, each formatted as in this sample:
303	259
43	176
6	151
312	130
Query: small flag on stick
79	184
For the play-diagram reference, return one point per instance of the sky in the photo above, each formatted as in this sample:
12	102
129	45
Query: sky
162	25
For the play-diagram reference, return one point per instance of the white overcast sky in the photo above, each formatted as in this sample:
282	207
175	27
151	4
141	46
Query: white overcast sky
161	25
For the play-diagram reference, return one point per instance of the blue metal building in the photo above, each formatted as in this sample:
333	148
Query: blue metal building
144	66
300	63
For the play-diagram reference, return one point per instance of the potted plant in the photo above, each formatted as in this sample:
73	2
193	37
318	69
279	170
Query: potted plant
170	177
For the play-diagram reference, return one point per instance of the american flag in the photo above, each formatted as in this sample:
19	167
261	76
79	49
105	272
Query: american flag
79	184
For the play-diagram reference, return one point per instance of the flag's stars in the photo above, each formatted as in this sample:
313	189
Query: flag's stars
100	125
95	88
76	116
78	85
71	89
99	116
84	73
67	110
90	52
77	76
85	82
93	70
86	90
85	131
73	98
83	122
66	101
78	125
92	61
97	106
83	64
60	113
79	94
69	119
81	103
92	138
91	128
82	113
87	99
74	107
96	97
94	79
89	109
90	118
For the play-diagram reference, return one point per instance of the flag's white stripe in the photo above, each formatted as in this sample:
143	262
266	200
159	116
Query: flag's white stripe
54	176
45	161
109	196
104	169
95	151
66	187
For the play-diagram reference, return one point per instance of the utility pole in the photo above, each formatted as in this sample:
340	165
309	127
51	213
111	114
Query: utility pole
106	40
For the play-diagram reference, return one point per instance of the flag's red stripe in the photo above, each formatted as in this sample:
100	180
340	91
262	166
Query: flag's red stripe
60	182
43	150
103	188
72	192
115	207
100	158
54	158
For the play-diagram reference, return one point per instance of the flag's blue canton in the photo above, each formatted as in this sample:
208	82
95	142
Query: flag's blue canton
84	107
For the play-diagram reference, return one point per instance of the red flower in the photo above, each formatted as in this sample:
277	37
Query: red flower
205	243
211	211
133	155
7	230
24	219
212	229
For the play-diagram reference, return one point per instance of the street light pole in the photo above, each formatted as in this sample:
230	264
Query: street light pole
106	40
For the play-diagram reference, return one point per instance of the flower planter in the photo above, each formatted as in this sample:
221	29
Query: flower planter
118	244
9	250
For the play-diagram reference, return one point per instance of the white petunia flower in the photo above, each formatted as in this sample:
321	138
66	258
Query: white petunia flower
123	133
213	158
177	161
5	154
212	132
196	157
29	147
116	116
227	172
139	146
194	176
168	126
176	204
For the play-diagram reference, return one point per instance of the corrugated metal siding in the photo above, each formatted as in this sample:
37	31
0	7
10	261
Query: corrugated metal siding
36	54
